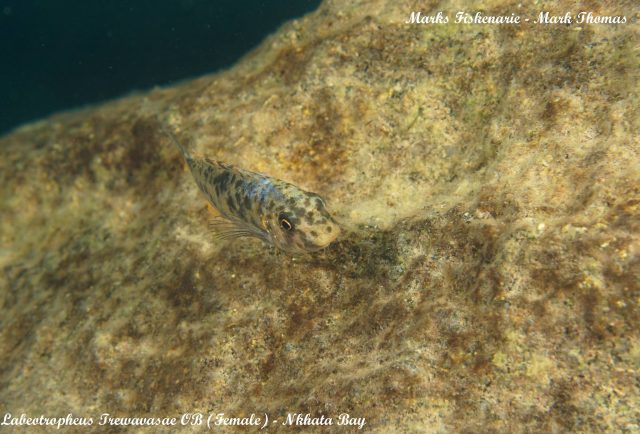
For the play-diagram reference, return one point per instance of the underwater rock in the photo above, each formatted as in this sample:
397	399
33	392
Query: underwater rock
488	178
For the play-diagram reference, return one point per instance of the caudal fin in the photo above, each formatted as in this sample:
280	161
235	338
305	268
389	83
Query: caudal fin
187	156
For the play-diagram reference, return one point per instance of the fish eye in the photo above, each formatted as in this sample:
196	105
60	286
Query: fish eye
285	223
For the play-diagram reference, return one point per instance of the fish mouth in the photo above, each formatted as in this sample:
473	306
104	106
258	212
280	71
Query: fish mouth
320	246
301	245
317	247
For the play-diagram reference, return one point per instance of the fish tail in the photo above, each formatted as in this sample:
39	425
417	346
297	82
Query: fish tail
187	156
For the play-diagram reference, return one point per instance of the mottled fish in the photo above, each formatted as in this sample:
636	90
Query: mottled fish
257	205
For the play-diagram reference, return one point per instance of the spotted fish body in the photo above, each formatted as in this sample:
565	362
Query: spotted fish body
253	204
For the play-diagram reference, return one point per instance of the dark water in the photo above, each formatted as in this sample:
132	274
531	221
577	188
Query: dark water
59	54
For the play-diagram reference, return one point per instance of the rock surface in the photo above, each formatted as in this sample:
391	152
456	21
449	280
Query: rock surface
489	179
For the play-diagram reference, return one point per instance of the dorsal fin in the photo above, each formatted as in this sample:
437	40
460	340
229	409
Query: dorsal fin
219	163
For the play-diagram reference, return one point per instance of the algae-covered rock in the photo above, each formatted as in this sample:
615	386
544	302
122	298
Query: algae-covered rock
487	176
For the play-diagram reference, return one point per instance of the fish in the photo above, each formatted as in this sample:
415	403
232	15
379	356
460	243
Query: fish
252	204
